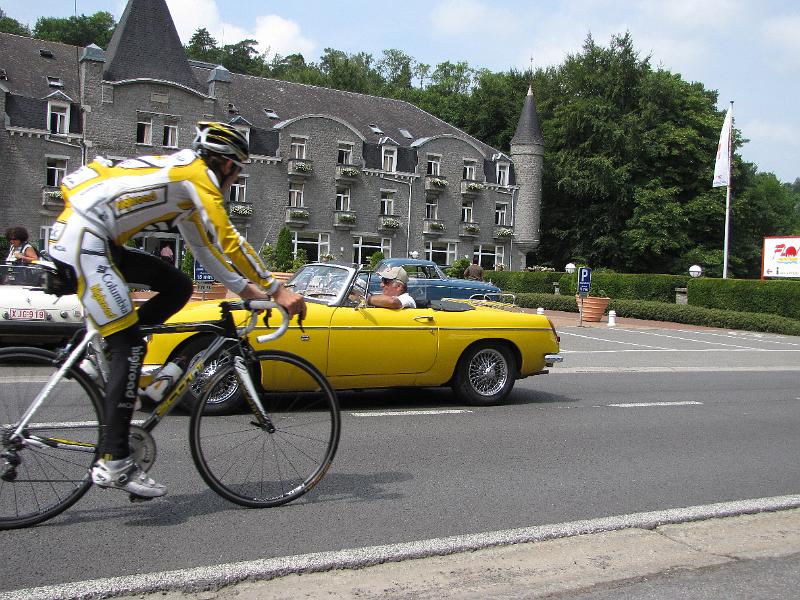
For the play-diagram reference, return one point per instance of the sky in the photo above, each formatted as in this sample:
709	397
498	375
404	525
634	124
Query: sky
746	50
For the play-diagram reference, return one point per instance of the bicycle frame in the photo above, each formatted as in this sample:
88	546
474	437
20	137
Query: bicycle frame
225	331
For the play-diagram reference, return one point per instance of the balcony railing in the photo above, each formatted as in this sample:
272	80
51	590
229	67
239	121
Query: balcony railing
471	187
344	219
503	232
433	227
435	184
469	230
52	198
347	172
296	216
300	167
240	209
388	223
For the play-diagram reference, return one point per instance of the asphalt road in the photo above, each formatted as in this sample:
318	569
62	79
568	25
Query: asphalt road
635	420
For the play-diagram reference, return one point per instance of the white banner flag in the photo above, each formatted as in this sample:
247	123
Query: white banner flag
722	167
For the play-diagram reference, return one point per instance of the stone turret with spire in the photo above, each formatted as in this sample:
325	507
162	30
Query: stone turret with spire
527	152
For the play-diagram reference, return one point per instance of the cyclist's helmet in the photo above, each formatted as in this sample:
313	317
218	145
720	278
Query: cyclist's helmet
222	139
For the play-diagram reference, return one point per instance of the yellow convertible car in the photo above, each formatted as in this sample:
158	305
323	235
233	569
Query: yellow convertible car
477	347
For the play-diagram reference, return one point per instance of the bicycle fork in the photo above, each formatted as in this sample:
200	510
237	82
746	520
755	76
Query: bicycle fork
252	396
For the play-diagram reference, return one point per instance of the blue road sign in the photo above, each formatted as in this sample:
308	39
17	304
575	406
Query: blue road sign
200	274
584	280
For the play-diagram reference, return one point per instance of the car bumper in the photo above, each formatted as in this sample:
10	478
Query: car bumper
552	359
26	331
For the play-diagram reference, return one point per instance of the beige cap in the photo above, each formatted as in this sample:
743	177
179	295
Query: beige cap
398	273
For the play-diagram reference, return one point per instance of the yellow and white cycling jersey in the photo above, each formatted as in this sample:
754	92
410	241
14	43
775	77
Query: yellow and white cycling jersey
157	192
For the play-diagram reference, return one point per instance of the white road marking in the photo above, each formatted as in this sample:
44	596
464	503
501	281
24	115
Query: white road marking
681	350
589	337
410	413
213	577
684	339
646	404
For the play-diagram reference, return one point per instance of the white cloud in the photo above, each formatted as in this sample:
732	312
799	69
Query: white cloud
691	14
460	17
273	33
763	131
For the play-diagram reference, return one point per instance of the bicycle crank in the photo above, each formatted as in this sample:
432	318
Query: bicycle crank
143	447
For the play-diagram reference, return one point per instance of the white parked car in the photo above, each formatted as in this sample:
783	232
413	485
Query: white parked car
28	315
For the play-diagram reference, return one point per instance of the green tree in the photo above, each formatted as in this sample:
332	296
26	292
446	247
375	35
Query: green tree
300	260
352	72
283	250
202	46
77	31
9	25
374	259
397	69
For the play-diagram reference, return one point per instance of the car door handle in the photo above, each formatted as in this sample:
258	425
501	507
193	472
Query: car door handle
424	318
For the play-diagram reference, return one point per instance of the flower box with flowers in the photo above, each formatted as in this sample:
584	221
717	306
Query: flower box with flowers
241	209
503	232
389	223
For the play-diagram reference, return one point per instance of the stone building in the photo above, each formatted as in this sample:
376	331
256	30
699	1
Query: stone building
348	173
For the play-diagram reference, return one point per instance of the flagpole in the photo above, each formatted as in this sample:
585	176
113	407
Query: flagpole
728	199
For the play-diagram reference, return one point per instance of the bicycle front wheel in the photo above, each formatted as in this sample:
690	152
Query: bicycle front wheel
45	469
257	464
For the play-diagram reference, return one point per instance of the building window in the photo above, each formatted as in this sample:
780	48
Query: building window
431	208
56	82
315	244
469	170
434	164
466	211
387	203
144	131
489	255
296	194
239	190
342	198
501	213
56	169
502	173
389	159
442	253
364	247
170	134
297	148
345	156
58	118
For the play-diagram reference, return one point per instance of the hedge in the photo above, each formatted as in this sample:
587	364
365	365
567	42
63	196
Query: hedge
629	286
675	313
747	295
524	281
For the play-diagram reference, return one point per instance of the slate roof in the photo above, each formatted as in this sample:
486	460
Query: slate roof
251	95
145	44
27	70
528	129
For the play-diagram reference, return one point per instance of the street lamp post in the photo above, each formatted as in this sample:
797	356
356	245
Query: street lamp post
570	268
695	270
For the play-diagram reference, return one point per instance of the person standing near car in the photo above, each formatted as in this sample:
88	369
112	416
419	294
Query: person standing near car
19	250
105	205
394	281
474	272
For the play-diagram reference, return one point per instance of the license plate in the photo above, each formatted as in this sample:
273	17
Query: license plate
28	314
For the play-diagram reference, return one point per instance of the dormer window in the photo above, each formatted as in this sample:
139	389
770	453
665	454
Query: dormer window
389	159
469	170
297	148
3	75
271	113
406	134
502	173
58	117
55	82
376	129
45	53
245	131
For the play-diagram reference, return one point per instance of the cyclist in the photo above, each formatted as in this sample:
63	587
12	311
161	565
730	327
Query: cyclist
106	204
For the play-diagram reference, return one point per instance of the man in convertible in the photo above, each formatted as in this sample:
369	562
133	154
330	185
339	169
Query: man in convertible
394	281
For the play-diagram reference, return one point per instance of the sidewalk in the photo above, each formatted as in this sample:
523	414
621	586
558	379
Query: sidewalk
569	319
555	566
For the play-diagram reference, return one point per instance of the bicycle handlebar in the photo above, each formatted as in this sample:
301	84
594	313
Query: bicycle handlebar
255	306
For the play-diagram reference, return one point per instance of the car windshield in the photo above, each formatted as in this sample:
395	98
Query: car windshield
11	274
325	283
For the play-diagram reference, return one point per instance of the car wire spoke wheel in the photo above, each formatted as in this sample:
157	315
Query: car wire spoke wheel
488	372
47	468
222	392
258	463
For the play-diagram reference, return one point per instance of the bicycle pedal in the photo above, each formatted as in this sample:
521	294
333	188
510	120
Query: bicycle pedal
137	498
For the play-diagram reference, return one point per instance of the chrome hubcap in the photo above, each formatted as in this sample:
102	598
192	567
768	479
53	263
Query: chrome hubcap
488	372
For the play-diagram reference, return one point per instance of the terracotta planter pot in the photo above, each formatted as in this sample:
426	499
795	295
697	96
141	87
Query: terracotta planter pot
593	307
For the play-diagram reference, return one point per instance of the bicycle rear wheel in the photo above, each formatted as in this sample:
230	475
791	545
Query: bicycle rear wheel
257	465
47	469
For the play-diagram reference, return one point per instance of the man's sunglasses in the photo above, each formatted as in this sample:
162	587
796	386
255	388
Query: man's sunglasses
386	281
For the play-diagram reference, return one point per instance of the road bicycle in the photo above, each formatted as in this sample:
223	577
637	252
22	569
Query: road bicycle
272	451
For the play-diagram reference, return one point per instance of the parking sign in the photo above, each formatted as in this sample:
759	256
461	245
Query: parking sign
584	280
